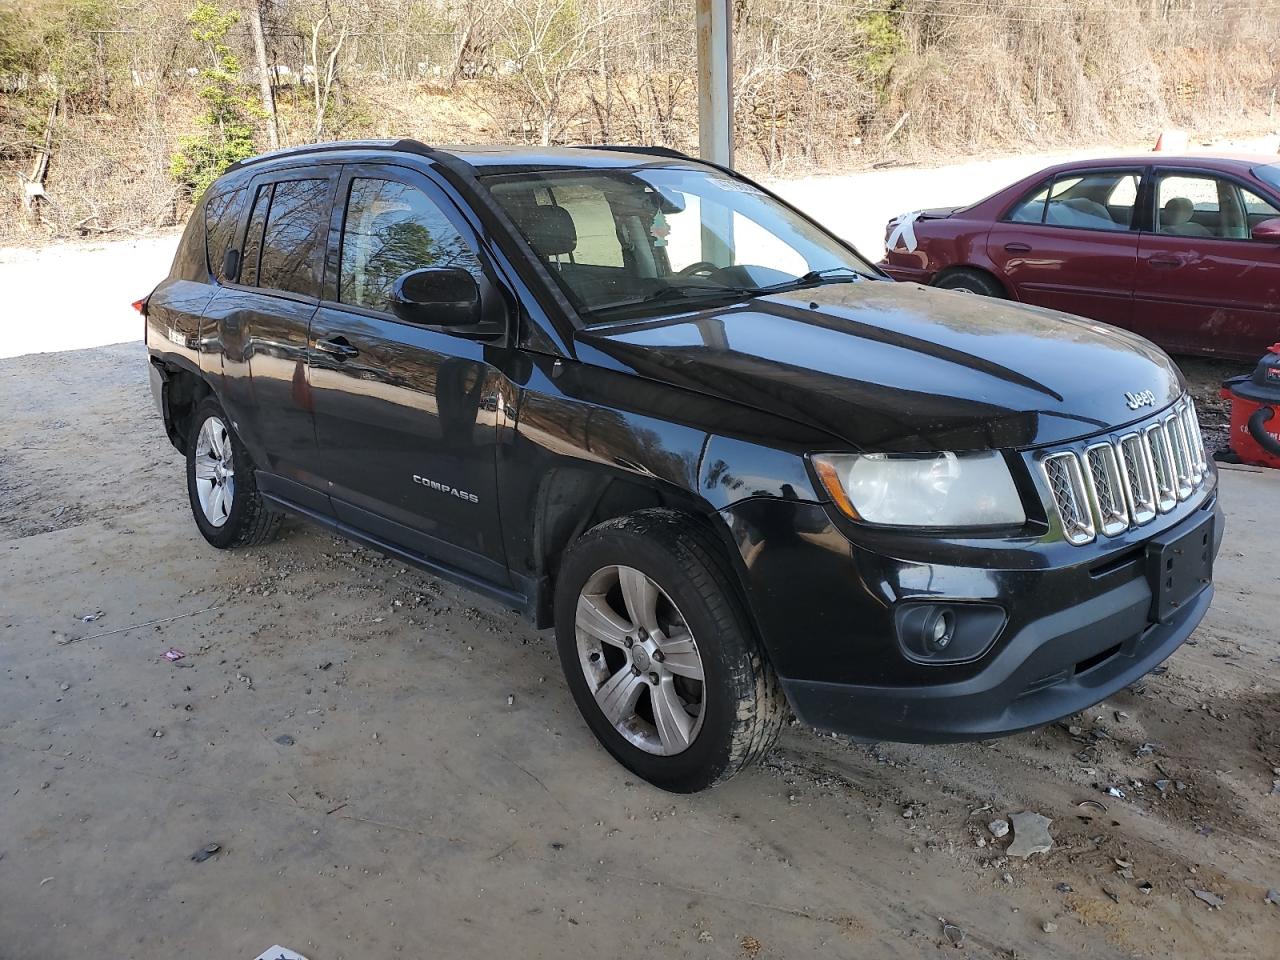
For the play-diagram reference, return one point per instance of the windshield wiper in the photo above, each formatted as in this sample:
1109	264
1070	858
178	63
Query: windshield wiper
692	292
814	278
698	292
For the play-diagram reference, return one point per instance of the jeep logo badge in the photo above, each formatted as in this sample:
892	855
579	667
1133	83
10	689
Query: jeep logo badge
1137	400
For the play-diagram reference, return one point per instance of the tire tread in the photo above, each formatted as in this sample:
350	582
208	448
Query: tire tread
256	522
761	705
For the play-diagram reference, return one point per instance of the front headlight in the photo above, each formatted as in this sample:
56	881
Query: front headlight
923	490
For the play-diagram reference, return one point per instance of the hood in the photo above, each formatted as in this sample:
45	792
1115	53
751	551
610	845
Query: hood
898	367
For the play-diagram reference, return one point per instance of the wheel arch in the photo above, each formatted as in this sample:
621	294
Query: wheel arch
573	499
979	269
181	390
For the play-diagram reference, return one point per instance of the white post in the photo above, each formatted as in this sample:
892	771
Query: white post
715	81
715	117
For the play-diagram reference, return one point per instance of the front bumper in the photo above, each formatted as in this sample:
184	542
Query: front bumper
1081	624
1054	667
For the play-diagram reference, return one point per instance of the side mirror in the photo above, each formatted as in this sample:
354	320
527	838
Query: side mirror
231	265
1267	230
437	297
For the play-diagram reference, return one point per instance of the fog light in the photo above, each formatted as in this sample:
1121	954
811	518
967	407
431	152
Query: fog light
939	627
947	632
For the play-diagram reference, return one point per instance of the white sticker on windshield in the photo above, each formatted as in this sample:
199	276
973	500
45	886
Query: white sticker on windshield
735	186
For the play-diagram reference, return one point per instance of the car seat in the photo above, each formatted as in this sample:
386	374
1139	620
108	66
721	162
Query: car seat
1175	218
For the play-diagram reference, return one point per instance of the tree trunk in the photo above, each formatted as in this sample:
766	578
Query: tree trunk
33	186
264	75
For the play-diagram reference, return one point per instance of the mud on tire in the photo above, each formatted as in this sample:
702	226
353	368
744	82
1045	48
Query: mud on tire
743	707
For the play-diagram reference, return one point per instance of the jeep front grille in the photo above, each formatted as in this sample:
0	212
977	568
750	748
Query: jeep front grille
1067	484
1124	481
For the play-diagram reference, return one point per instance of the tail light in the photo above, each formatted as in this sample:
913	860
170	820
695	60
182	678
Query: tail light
141	307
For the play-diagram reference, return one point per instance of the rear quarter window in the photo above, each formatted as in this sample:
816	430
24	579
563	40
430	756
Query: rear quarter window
189	260
221	217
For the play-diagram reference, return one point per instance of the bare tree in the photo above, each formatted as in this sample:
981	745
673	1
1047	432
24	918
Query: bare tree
323	75
541	46
264	76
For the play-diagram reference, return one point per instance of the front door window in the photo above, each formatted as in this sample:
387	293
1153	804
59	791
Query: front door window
390	229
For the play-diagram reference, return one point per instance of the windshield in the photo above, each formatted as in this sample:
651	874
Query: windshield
1269	174
623	243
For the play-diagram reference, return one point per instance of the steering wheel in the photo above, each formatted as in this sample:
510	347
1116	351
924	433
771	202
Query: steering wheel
704	267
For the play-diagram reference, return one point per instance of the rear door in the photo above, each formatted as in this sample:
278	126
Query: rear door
406	415
1071	244
1204	285
263	317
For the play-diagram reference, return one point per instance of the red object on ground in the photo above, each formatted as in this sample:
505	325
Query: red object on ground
1255	433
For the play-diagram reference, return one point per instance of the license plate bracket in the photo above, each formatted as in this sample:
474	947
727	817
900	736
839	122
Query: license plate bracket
1179	566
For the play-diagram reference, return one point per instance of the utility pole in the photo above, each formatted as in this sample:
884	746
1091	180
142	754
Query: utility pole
715	81
264	78
715	119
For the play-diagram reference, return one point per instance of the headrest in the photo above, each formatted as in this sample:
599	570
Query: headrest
550	230
1177	210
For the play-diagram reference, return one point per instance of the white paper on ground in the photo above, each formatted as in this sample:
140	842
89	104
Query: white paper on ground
279	953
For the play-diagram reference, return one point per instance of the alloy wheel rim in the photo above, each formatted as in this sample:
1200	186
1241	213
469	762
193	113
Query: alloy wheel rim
640	660
215	471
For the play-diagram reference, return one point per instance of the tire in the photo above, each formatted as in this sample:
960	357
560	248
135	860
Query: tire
734	714
970	281
241	518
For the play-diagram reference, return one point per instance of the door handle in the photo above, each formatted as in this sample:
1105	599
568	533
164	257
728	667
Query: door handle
1164	263
1018	247
338	348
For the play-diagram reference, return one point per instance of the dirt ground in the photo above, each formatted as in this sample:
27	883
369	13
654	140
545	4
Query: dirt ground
393	767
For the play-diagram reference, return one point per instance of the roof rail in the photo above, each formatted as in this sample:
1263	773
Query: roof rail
631	148
404	144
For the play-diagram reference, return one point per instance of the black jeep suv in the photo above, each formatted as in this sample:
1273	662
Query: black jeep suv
640	398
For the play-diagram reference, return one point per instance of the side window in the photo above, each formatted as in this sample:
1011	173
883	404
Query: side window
1256	209
1092	201
1082	201
1191	206
253	237
293	242
1030	209
1201	205
221	217
1123	198
391	228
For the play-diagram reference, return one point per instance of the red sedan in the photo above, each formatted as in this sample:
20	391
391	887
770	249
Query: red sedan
1183	250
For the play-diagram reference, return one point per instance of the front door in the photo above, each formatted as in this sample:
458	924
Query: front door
1204	285
406	416
1070	244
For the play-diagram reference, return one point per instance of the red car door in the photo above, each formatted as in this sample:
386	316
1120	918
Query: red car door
1071	244
1204	285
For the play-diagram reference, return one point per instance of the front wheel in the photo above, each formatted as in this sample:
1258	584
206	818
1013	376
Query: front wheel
660	654
226	504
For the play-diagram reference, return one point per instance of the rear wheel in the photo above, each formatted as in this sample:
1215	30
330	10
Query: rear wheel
970	281
225	501
659	652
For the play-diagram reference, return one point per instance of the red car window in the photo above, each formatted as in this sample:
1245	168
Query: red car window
1095	200
1201	205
